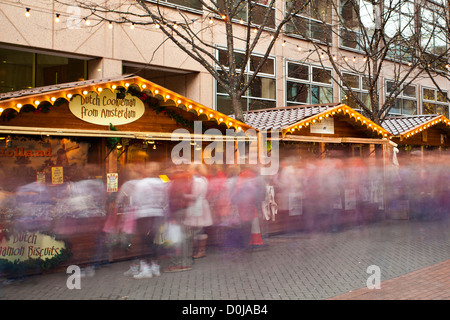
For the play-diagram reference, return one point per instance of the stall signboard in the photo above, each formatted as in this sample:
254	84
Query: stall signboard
21	246
106	108
57	175
40	177
27	159
326	126
112	182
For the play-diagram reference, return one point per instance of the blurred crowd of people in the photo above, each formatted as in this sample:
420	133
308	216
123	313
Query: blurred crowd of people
171	212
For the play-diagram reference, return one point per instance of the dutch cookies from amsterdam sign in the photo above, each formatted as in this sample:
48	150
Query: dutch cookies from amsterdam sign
105	108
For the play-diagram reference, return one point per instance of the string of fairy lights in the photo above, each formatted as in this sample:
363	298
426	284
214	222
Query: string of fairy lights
89	20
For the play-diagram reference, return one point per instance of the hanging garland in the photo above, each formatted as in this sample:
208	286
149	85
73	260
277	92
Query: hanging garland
112	142
153	104
20	267
8	114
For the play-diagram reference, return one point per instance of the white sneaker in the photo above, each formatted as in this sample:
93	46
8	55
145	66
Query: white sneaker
134	270
155	269
144	272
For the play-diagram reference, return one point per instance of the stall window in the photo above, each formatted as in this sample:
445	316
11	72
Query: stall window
307	84
406	101
23	70
358	85
261	93
313	21
434	102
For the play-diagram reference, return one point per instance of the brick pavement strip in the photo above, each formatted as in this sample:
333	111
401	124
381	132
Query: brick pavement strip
427	283
413	258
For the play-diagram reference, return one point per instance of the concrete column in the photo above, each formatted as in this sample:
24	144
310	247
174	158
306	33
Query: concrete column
104	68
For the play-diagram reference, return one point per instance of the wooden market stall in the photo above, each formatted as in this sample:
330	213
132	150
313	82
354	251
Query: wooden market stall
83	136
328	154
422	133
419	184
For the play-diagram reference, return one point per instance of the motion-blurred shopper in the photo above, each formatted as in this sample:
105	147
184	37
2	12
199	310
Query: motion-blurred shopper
151	201
180	187
248	195
198	215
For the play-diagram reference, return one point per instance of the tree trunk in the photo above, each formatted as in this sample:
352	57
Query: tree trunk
237	107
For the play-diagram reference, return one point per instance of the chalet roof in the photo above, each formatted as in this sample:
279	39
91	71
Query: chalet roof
282	118
407	124
35	96
289	119
61	86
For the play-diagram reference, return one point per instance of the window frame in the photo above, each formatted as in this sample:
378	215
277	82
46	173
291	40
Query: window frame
436	102
309	20
401	97
309	82
177	6
253	24
247	97
360	90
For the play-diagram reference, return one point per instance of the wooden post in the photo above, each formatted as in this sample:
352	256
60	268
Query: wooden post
386	179
371	151
322	149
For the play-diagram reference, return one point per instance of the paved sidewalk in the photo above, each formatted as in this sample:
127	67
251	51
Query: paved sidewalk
430	283
413	258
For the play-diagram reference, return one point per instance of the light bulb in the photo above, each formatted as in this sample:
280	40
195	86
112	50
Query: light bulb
27	13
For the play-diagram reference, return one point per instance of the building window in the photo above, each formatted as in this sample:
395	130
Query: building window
257	12
261	93
192	4
307	84
406	101
313	21
358	85
434	101
400	29
23	70
433	34
354	15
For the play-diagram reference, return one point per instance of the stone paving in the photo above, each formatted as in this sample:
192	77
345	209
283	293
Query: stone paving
295	266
